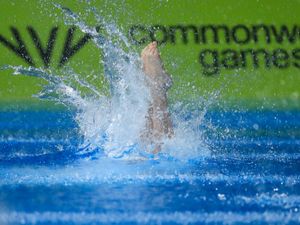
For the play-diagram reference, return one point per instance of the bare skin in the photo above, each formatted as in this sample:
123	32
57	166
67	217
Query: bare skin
158	124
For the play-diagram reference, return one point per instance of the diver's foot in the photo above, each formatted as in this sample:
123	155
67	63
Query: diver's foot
152	63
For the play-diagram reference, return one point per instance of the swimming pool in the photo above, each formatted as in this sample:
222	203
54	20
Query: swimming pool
81	164
251	175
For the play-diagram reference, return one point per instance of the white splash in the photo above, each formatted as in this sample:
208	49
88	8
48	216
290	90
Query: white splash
114	123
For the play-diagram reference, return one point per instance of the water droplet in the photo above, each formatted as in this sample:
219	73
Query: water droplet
221	197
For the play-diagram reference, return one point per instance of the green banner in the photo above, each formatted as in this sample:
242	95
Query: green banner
246	50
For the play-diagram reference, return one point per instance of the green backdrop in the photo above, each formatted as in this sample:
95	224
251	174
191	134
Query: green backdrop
186	29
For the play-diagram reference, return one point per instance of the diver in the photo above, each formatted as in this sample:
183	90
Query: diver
158	122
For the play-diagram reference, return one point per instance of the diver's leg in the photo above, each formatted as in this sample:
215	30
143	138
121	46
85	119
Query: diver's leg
159	123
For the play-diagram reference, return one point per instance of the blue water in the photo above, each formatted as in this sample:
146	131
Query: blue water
251	176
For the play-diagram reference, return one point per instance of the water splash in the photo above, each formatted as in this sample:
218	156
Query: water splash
114	122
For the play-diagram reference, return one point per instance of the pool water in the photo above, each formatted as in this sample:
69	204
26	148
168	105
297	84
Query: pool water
250	176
